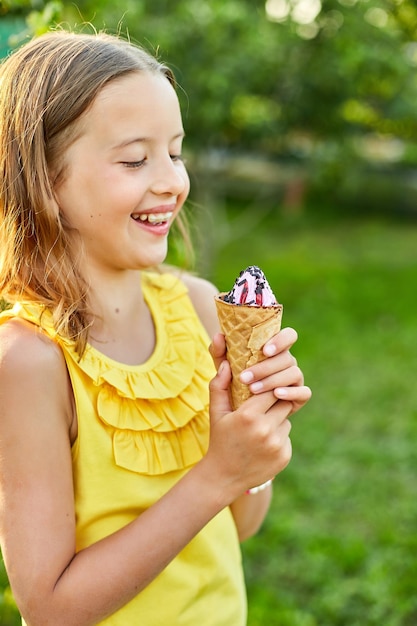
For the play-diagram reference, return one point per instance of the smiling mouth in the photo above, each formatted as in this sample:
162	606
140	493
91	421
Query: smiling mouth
153	218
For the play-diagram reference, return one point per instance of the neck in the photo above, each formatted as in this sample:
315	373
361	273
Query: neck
122	327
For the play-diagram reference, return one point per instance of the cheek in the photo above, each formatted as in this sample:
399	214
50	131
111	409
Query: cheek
79	191
187	185
74	206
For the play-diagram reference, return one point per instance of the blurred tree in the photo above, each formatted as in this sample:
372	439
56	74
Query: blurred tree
327	82
253	71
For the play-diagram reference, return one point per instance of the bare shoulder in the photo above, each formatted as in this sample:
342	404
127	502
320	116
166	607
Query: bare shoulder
202	294
198	287
25	349
32	367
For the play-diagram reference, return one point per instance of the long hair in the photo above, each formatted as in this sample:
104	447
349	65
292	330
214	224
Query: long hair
45	88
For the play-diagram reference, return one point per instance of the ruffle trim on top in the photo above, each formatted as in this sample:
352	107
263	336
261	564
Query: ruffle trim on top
158	411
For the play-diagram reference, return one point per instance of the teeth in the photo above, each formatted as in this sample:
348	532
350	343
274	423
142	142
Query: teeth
154	218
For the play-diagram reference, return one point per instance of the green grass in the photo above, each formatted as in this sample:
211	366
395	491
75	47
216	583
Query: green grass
339	545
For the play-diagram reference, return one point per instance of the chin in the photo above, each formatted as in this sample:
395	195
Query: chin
154	260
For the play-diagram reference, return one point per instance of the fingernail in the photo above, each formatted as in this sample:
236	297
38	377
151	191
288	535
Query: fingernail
270	349
280	392
246	377
256	387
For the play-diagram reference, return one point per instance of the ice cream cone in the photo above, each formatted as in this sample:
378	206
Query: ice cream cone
247	329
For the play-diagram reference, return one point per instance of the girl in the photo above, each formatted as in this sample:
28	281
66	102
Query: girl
119	505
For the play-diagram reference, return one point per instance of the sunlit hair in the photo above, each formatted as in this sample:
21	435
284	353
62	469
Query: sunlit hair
45	88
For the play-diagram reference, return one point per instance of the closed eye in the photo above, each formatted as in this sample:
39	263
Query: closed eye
133	164
177	157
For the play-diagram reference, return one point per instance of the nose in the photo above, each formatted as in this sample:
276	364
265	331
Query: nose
170	177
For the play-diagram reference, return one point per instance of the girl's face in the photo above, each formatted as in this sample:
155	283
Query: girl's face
124	180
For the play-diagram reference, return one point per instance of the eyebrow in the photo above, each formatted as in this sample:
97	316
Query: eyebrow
129	142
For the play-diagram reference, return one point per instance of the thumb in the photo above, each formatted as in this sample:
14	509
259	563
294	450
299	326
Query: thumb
218	349
219	392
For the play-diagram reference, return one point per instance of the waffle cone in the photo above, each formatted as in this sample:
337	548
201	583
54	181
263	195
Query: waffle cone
246	329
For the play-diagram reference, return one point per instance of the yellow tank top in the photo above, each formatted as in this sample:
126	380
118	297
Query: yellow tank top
140	429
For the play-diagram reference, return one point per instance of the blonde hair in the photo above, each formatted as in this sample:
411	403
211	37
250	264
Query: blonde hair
45	88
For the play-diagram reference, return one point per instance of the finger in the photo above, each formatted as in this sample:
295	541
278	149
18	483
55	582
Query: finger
291	376
299	394
262	403
282	433
218	349
268	367
280	411
283	340
219	391
285	455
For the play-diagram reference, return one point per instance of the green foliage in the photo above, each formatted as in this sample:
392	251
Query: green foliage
17	6
334	93
338	548
40	21
9	615
22	19
252	82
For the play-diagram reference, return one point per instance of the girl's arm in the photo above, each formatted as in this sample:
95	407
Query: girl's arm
53	584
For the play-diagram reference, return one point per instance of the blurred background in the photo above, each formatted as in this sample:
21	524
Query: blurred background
301	122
